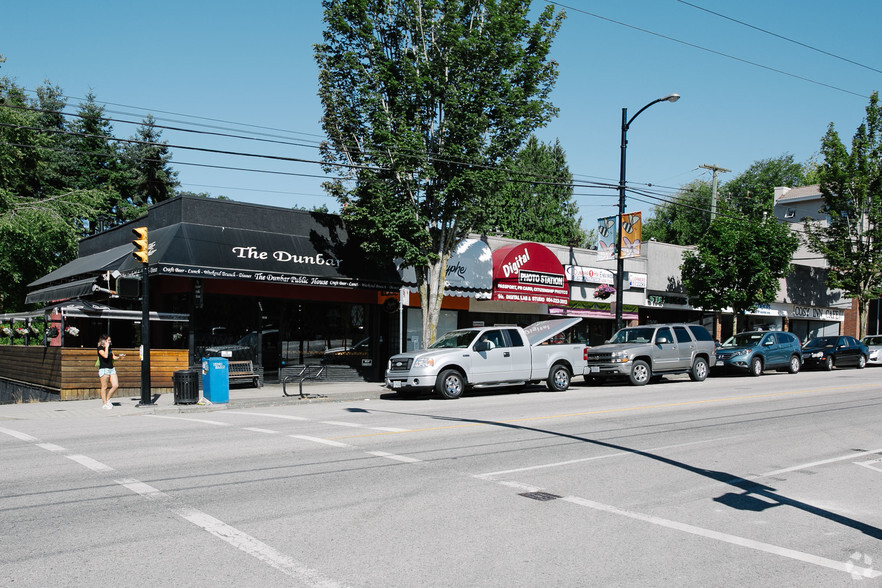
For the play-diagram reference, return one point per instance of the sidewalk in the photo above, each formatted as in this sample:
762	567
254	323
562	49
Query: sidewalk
127	405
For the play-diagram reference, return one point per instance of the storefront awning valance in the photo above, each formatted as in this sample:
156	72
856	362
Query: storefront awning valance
469	271
63	291
76	278
202	251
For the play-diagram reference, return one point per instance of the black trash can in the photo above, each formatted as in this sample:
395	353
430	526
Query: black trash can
187	386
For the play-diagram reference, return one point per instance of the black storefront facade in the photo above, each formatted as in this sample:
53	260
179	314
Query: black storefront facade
281	287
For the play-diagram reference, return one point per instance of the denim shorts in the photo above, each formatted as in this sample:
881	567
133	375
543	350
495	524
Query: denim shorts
106	372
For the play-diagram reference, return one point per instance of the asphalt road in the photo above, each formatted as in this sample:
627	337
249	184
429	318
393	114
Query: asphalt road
735	481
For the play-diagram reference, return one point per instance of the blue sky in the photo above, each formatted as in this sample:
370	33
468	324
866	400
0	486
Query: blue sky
248	68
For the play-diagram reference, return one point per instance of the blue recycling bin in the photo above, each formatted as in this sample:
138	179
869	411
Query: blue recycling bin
216	379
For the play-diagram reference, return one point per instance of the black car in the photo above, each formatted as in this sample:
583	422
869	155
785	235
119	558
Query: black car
838	351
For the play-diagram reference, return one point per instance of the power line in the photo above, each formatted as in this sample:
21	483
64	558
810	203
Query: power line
707	50
782	37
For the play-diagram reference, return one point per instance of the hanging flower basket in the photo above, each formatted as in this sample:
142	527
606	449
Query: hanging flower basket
6	331
21	331
52	332
35	329
72	331
604	291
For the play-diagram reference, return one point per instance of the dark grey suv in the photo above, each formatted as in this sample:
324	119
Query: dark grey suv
756	351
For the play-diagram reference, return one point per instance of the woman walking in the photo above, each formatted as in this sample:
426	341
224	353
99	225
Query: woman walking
106	371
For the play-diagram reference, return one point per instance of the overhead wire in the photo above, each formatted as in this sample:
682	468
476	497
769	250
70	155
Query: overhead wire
782	37
708	50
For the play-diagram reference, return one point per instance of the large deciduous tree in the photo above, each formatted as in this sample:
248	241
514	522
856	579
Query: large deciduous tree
738	262
851	184
684	218
423	99
753	191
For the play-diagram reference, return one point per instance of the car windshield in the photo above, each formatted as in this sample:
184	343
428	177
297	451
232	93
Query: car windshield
744	340
823	342
873	340
634	335
454	339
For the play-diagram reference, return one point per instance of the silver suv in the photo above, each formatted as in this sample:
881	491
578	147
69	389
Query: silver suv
641	353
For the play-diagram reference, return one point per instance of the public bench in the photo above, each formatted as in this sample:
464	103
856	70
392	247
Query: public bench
244	371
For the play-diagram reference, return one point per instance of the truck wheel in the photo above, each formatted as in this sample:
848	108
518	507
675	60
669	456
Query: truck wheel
450	384
640	374
699	370
558	378
756	366
794	366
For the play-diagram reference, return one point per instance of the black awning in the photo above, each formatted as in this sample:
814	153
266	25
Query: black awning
319	259
63	291
89	265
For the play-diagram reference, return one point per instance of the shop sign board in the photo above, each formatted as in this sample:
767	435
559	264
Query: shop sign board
529	272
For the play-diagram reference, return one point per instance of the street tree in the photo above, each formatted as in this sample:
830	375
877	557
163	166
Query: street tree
535	201
738	262
423	100
684	218
851	237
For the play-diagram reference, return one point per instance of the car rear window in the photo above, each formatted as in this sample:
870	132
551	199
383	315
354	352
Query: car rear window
682	335
700	333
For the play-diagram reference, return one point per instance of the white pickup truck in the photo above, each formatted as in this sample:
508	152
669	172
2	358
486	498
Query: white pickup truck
482	357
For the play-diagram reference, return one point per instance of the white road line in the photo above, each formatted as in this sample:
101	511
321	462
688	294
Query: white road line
320	440
201	421
259	430
343	424
92	464
218	528
403	458
490	475
839	566
17	435
873	464
360	426
273	416
806	466
255	548
145	490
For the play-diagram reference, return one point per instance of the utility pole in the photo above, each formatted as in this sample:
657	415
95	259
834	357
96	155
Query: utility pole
716	169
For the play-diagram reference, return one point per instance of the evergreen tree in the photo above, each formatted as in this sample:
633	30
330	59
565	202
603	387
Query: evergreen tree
153	179
535	202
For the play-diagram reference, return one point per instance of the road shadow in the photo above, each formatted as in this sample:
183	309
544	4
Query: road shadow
750	496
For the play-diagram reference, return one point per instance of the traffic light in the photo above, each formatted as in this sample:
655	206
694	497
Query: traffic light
141	244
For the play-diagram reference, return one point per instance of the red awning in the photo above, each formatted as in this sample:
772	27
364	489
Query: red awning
529	272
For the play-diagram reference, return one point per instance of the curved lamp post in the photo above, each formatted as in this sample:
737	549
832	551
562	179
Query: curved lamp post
620	262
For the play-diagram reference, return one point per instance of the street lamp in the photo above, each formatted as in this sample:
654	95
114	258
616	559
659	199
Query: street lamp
620	262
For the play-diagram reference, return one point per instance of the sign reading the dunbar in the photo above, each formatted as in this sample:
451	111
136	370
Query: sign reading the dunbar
529	272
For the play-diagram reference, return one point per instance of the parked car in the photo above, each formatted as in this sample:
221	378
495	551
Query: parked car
647	352
483	357
874	346
835	351
756	351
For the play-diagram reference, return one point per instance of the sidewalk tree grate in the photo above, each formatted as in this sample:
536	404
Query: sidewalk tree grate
542	496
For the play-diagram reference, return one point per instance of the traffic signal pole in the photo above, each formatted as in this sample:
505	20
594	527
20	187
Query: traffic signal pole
146	396
141	253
